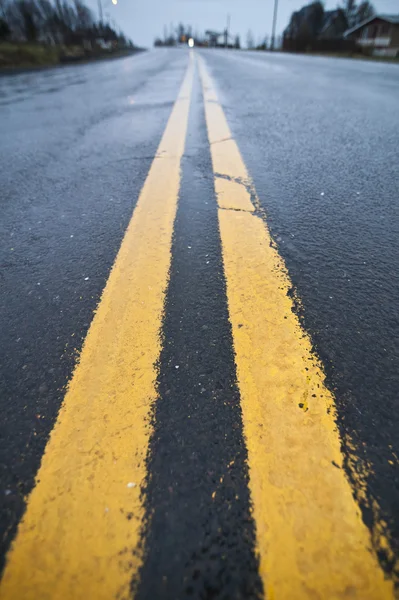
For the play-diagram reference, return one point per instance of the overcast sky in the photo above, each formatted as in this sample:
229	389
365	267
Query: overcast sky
142	20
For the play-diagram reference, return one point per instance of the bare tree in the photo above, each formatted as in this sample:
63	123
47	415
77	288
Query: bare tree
350	10
3	8
66	22
84	16
355	14
364	11
22	19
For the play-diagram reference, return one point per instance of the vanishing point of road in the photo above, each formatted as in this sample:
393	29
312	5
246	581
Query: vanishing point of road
200	329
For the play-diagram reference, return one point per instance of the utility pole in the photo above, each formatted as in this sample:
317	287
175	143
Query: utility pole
226	33
272	42
100	10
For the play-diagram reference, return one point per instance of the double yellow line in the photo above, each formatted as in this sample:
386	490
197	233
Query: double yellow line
80	536
311	540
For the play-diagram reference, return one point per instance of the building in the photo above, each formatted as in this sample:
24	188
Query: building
213	38
379	35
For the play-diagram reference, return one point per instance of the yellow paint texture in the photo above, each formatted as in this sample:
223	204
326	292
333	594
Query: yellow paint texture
232	196
311	540
80	534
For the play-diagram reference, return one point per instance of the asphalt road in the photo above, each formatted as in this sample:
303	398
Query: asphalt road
217	511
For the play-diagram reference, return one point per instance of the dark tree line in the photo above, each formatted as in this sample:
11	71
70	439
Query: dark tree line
182	33
65	22
310	21
177	35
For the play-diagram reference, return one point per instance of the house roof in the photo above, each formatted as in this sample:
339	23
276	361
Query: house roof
389	18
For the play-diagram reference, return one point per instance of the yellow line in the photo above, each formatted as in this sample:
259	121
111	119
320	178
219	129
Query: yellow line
311	539
80	534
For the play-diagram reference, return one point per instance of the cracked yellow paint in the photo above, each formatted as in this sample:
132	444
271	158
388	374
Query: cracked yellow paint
79	538
232	194
311	539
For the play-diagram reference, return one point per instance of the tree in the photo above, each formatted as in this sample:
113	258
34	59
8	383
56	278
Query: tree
237	43
305	30
364	11
84	16
4	29
31	31
53	21
46	21
180	32
355	14
350	9
307	22
3	9
23	19
315	18
250	40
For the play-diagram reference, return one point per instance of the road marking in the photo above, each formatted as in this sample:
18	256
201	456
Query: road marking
310	536
80	534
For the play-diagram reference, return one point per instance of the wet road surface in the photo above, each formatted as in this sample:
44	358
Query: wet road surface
199	453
